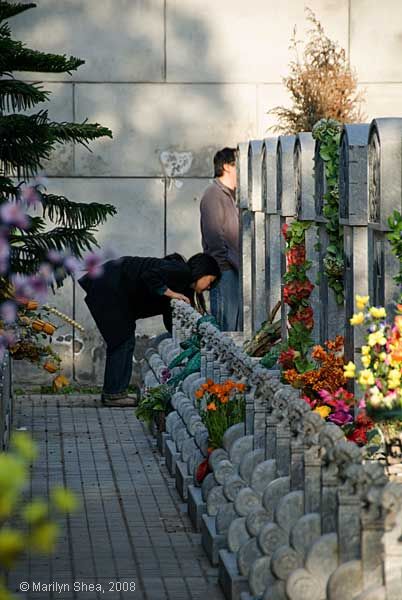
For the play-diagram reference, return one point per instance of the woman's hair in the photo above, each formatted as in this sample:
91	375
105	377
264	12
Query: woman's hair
200	265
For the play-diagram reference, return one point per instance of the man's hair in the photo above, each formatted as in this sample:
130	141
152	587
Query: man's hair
226	156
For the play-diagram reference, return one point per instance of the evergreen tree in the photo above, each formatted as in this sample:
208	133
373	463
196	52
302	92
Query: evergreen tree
26	141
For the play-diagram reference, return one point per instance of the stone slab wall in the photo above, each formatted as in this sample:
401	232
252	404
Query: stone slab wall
175	80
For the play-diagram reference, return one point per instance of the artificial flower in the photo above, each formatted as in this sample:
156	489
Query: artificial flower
361	301
366	361
366	350
357	319
394	379
376	397
377	338
366	378
349	370
323	411
378	312
211	406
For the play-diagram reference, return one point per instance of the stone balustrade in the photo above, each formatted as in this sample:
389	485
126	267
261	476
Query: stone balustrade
289	509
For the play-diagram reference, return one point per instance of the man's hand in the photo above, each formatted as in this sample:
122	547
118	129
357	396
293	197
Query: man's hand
176	296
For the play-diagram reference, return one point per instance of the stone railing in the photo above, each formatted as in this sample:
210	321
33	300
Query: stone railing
289	510
281	179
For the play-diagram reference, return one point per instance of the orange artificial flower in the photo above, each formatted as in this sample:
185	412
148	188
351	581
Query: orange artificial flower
211	406
49	328
199	394
51	367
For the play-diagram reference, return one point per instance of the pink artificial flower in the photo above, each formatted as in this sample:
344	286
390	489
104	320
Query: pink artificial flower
93	264
340	417
12	214
8	312
30	196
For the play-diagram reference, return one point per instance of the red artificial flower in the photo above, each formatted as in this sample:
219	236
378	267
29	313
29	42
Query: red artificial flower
295	291
359	436
202	471
285	228
304	316
296	255
287	358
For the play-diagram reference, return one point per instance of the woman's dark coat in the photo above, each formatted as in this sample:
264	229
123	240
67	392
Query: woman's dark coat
132	288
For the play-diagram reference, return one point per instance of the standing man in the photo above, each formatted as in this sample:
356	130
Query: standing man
220	238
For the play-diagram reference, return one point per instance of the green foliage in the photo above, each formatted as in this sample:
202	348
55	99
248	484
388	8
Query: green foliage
154	400
328	132
26	525
27	141
395	240
270	359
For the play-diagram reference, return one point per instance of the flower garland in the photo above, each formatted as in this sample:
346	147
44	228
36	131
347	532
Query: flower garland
381	358
328	133
296	293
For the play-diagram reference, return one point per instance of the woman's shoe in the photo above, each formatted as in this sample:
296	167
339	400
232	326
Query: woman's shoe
121	402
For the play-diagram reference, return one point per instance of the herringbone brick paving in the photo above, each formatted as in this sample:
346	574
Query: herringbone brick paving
132	526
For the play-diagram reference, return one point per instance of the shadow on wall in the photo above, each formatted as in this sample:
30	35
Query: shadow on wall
161	131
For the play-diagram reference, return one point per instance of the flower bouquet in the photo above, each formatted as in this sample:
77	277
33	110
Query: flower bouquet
221	405
381	358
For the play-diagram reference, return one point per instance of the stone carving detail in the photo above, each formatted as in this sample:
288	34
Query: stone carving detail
374	169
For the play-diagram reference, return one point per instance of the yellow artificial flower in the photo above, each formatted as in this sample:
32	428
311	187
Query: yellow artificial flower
366	360
323	411
357	319
378	313
394	379
366	350
361	301
376	338
376	397
382	356
349	370
366	378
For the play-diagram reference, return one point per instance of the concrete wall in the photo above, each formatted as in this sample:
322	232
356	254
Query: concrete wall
175	80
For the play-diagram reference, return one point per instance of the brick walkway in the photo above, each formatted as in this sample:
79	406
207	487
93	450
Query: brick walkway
132	526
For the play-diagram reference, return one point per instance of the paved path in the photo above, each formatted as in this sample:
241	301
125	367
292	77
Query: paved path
132	526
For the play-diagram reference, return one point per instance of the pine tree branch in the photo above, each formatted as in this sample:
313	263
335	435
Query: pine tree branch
28	250
79	133
11	9
26	141
14	56
61	211
18	95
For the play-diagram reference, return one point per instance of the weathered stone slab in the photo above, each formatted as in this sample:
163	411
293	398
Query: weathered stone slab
211	541
132	38
232	583
212	44
171	456
183	479
196	506
181	149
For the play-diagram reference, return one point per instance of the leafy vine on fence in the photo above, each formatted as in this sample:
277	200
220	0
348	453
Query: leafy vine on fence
395	240
328	132
296	295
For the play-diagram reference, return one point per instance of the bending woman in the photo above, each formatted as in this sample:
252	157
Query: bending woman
134	287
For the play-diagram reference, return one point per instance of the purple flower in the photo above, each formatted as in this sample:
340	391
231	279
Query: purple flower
4	255
340	417
12	214
165	375
8	312
30	196
71	265
93	264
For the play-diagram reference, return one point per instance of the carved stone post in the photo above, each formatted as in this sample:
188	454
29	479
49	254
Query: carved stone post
246	241
392	506
286	204
385	193
272	225
353	204
258	248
